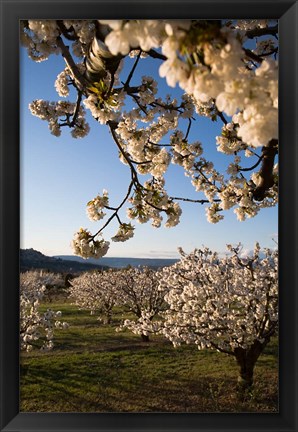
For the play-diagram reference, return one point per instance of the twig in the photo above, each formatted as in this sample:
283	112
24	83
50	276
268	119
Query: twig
126	84
188	130
221	116
251	55
155	54
202	201
72	123
254	166
115	214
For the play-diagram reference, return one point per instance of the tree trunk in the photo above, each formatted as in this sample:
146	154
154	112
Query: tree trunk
245	377
246	359
145	338
107	319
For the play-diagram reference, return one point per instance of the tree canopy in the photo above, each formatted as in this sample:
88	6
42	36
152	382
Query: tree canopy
227	71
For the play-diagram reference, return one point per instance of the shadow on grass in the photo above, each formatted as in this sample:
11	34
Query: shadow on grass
101	393
95	369
141	381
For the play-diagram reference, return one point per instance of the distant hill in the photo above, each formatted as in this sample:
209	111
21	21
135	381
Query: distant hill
123	262
31	259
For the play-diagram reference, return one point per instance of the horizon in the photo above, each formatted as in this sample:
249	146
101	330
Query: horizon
106	256
244	252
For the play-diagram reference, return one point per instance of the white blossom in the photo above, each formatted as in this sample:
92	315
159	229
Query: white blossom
95	207
36	327
125	232
85	245
229	304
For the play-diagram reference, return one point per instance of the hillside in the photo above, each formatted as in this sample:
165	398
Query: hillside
32	259
122	262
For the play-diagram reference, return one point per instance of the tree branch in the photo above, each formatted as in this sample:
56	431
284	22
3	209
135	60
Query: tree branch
188	130
126	84
72	123
115	214
214	345
221	116
202	201
84	83
251	55
77	109
266	173
134	174
254	166
65	32
251	34
155	54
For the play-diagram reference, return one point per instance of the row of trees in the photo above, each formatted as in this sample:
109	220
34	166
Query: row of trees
135	290
228	71
225	303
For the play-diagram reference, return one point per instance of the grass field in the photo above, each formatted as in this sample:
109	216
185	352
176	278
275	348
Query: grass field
95	369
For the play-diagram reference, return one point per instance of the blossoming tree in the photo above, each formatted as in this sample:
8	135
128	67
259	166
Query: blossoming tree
229	304
34	324
228	73
139	292
96	291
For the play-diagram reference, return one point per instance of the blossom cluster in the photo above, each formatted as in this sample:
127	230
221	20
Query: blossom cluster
95	206
53	111
150	201
85	245
36	327
125	232
39	37
127	34
105	109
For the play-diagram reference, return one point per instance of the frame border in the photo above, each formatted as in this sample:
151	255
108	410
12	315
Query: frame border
11	11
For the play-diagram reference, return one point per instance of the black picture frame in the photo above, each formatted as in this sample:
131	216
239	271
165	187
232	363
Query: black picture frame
285	420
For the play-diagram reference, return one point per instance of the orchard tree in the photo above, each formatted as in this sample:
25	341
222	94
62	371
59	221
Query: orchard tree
96	291
54	283
229	304
228	72
138	292
34	324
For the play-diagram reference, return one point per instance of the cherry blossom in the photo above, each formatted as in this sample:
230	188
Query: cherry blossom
95	291
85	245
220	78
138	292
36	327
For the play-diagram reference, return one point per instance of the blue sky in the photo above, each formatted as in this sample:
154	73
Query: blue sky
60	175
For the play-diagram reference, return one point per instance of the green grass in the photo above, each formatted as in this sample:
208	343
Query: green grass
95	369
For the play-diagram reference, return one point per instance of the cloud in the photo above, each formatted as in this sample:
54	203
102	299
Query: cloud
160	254
246	252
